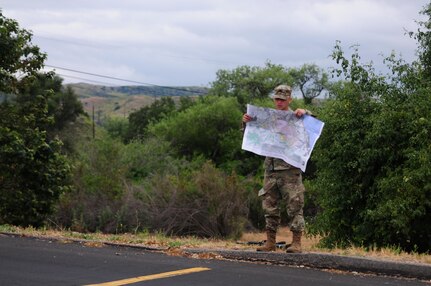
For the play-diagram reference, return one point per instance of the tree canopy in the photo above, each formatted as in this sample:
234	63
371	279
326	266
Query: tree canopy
19	56
248	83
33	172
373	158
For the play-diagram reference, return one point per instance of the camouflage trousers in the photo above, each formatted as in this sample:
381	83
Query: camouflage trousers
283	186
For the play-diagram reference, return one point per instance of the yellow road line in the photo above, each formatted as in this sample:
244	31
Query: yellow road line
151	277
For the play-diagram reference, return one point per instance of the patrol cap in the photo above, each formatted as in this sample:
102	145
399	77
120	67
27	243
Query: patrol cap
282	91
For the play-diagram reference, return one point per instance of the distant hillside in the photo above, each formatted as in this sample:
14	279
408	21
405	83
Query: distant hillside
89	90
122	100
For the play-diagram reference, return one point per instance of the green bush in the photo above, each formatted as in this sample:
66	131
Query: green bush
33	173
140	119
373	159
140	187
98	188
117	127
204	202
148	157
198	129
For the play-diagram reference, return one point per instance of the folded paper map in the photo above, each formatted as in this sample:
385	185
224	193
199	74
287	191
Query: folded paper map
280	134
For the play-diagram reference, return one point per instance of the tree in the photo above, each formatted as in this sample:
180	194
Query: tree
33	173
250	83
423	36
63	104
247	83
373	172
311	80
208	128
117	127
139	120
185	102
18	57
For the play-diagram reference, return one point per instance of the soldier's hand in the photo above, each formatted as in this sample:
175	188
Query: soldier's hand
246	118
300	112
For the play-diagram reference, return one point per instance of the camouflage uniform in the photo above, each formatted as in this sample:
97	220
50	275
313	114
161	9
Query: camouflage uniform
282	181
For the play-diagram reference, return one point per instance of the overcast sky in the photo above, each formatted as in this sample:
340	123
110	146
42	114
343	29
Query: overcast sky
182	43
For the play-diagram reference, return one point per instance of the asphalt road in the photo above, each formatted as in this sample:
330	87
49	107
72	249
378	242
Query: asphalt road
30	261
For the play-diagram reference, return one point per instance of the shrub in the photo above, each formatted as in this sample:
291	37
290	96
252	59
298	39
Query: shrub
33	173
205	202
373	159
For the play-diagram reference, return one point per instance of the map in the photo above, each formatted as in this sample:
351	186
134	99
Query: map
280	134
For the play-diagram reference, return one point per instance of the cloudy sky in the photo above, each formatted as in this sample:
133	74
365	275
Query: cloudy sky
182	43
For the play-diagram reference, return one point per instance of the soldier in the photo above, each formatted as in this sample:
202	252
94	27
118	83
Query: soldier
282	181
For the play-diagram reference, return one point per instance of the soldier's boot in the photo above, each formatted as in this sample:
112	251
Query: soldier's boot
295	247
270	242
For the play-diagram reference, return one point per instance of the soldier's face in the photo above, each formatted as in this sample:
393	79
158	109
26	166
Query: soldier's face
281	104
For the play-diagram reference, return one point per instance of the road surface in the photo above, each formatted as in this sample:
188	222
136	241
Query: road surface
30	261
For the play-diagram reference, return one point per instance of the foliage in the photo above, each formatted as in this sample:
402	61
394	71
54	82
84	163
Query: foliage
250	83
373	171
210	128
311	80
204	202
18	57
149	157
247	83
200	129
139	120
99	167
32	172
185	102
165	194
117	127
423	36
64	108
99	187
63	104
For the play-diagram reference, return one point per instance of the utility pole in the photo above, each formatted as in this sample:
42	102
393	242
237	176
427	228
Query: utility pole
125	109
94	127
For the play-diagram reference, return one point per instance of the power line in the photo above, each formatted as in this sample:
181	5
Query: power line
125	80
85	79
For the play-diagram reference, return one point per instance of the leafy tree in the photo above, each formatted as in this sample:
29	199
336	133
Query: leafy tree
18	57
32	171
202	129
148	157
250	83
63	104
117	127
423	36
66	108
247	83
139	120
311	80
99	168
185	102
373	173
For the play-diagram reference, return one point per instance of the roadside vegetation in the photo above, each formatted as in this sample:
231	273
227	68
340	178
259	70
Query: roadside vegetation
173	172
177	245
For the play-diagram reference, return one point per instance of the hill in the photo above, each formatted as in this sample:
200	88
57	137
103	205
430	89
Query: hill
122	100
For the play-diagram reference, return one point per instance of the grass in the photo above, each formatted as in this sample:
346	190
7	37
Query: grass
309	244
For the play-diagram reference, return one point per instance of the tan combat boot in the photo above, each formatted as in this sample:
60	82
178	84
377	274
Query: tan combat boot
295	247
270	242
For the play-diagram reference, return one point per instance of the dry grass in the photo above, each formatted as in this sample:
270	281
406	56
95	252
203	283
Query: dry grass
176	245
309	244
